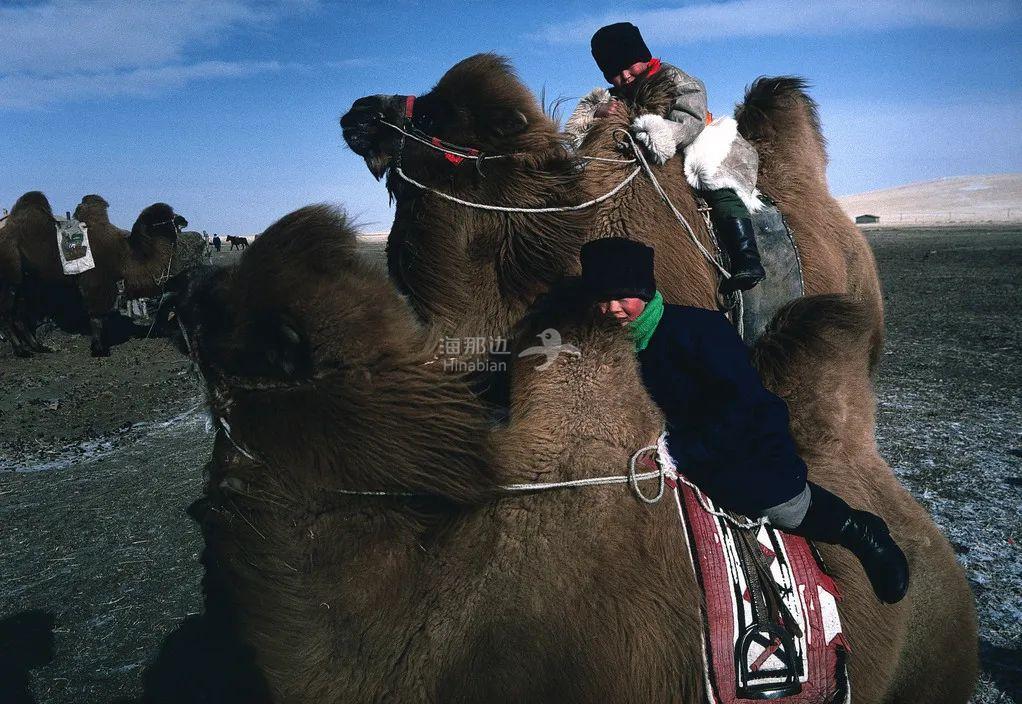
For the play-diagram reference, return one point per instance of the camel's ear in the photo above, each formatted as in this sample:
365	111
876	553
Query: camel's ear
506	123
286	350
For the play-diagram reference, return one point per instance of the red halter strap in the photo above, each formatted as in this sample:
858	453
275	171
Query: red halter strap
452	157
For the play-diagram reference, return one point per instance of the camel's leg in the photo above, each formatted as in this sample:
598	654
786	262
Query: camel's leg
27	334
99	294
21	349
97	346
22	322
7	322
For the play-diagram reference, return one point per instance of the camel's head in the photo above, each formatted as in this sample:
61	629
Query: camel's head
479	104
470	271
311	358
576	369
92	209
33	200
300	304
157	220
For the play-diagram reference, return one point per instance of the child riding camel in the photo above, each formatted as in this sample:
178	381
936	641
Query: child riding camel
719	163
726	432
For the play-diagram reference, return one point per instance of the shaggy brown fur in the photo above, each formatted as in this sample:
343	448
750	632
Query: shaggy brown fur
781	121
322	377
473	272
30	219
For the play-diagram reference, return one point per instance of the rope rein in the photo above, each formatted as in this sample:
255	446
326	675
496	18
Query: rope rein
162	280
666	472
506	209
466	153
677	213
444	147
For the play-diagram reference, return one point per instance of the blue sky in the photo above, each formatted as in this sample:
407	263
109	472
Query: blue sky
228	110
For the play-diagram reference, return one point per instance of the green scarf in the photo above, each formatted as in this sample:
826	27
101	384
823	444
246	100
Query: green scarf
643	327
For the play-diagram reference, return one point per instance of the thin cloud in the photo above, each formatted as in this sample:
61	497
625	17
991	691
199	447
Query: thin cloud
22	92
98	48
761	18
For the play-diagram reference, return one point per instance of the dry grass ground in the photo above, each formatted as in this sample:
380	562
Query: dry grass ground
99	572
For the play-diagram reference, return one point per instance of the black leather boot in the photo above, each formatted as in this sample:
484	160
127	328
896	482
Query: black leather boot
830	520
738	238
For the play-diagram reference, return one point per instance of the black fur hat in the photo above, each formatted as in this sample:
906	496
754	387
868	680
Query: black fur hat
614	268
618	46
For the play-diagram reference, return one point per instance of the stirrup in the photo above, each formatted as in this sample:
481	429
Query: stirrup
773	641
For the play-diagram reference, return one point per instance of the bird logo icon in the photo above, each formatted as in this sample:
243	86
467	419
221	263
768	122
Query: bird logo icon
550	348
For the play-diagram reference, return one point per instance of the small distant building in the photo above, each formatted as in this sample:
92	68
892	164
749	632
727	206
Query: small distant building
866	219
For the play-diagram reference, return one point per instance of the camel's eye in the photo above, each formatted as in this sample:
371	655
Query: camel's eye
430	114
423	121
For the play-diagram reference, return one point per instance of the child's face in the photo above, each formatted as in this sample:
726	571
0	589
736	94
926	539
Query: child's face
624	310
629	74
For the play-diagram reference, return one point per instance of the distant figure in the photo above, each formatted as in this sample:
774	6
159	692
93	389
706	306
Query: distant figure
216	242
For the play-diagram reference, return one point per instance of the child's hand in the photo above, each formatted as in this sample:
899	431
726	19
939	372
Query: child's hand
606	109
653	133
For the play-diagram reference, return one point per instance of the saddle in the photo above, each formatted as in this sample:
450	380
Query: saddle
750	311
771	628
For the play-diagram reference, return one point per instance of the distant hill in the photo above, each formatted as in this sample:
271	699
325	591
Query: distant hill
959	199
994	198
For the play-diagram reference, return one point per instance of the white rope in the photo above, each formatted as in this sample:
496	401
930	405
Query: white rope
605	159
226	427
506	209
445	150
632	478
665	468
677	214
483	157
662	469
639	156
162	280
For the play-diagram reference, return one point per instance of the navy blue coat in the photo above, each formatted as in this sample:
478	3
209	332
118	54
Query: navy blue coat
727	433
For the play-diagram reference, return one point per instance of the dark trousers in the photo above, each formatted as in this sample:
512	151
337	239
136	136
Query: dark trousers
725	203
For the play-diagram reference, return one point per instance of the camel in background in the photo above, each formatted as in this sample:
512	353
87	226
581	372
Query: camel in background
141	258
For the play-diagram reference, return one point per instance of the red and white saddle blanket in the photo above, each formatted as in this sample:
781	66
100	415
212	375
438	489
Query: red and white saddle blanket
755	648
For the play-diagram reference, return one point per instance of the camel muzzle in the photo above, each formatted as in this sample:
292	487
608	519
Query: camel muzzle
367	137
